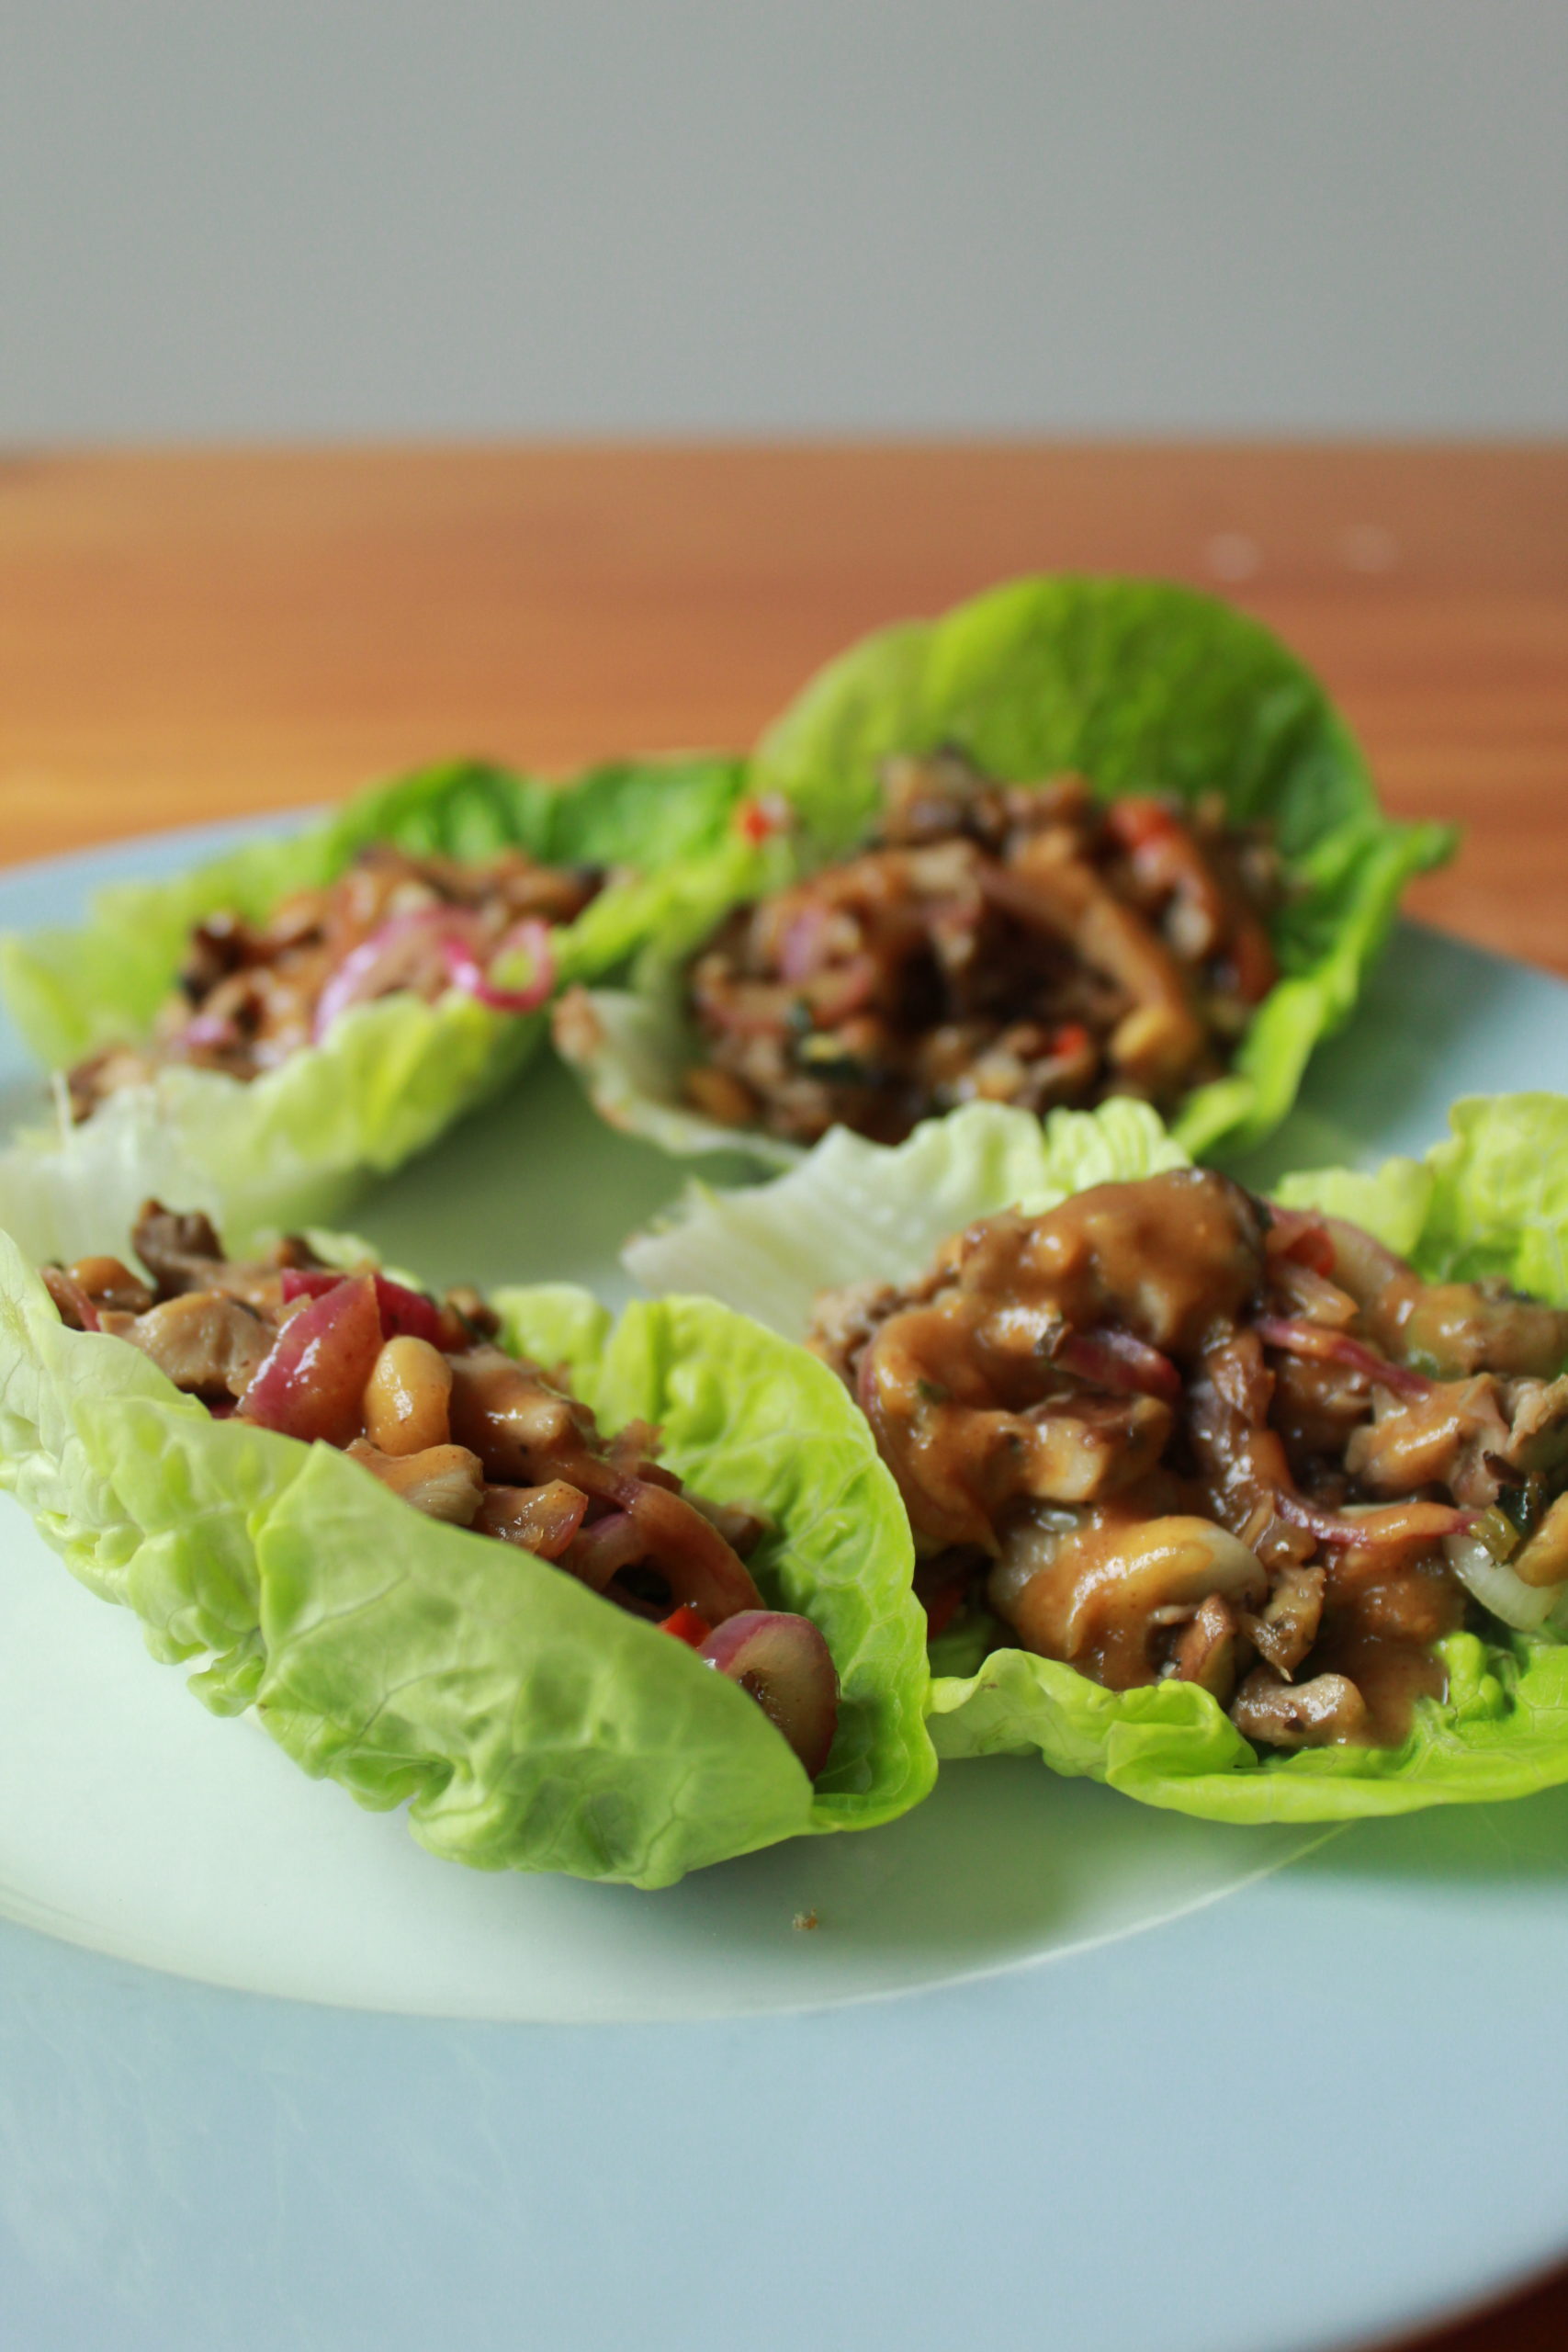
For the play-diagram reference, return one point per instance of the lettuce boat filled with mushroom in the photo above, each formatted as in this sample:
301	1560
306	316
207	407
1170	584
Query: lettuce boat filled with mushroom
1078	838
268	1031
1255	1508
616	1601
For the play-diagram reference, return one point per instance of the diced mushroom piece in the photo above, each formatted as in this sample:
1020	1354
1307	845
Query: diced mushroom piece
721	1096
1103	1588
1173	1259
1286	1629
1112	936
1081	1448
508	1414
109	1282
927	798
180	1249
1318	1714
843	1321
1205	1650
1452	1329
1441	1440
444	1481
103	1073
209	1345
1543	1559
1317	1406
1537	1426
541	1519
183	1253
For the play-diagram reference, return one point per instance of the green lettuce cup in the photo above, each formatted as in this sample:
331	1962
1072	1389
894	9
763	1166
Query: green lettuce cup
1139	686
527	1722
1491	1202
388	1077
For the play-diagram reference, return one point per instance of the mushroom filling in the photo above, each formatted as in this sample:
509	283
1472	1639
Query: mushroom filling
1010	944
1165	1430
417	1392
250	995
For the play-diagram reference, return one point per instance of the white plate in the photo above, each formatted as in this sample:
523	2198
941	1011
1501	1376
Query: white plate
1052	2070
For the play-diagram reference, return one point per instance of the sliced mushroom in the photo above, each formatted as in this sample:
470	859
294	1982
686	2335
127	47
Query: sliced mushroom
1104	1587
444	1481
541	1519
1205	1650
1079	1448
1443	1439
1286	1629
180	1249
109	1282
1538	1425
210	1345
1299	1714
507	1413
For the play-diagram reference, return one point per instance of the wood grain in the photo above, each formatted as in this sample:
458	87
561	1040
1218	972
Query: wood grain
186	635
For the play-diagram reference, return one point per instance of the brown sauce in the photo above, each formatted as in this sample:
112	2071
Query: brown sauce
1165	1432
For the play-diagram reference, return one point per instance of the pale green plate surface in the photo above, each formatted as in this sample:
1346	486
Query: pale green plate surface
1025	2155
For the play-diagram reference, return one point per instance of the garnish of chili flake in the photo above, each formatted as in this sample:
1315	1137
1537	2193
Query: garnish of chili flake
757	820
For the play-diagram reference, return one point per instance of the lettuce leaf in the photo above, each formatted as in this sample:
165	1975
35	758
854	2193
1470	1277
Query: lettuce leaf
390	1076
854	1210
528	1724
1137	683
1492	1200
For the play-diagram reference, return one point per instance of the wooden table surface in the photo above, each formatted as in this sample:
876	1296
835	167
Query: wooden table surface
187	635
195	635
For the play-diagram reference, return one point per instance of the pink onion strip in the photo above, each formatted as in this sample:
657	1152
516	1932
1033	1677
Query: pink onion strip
530	937
403	1311
358	977
782	1660
1331	1528
66	1290
1121	1361
1301	1339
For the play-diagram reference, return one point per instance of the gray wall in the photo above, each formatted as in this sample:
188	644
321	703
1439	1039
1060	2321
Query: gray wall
318	217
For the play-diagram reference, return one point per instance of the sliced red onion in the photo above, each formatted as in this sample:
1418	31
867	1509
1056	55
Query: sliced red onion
1361	1264
1116	1360
311	1384
1344	1531
209	1029
529	937
1301	1339
801	944
370	969
597	1553
67	1291
1303	1235
699	1565
404	1313
784	1663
